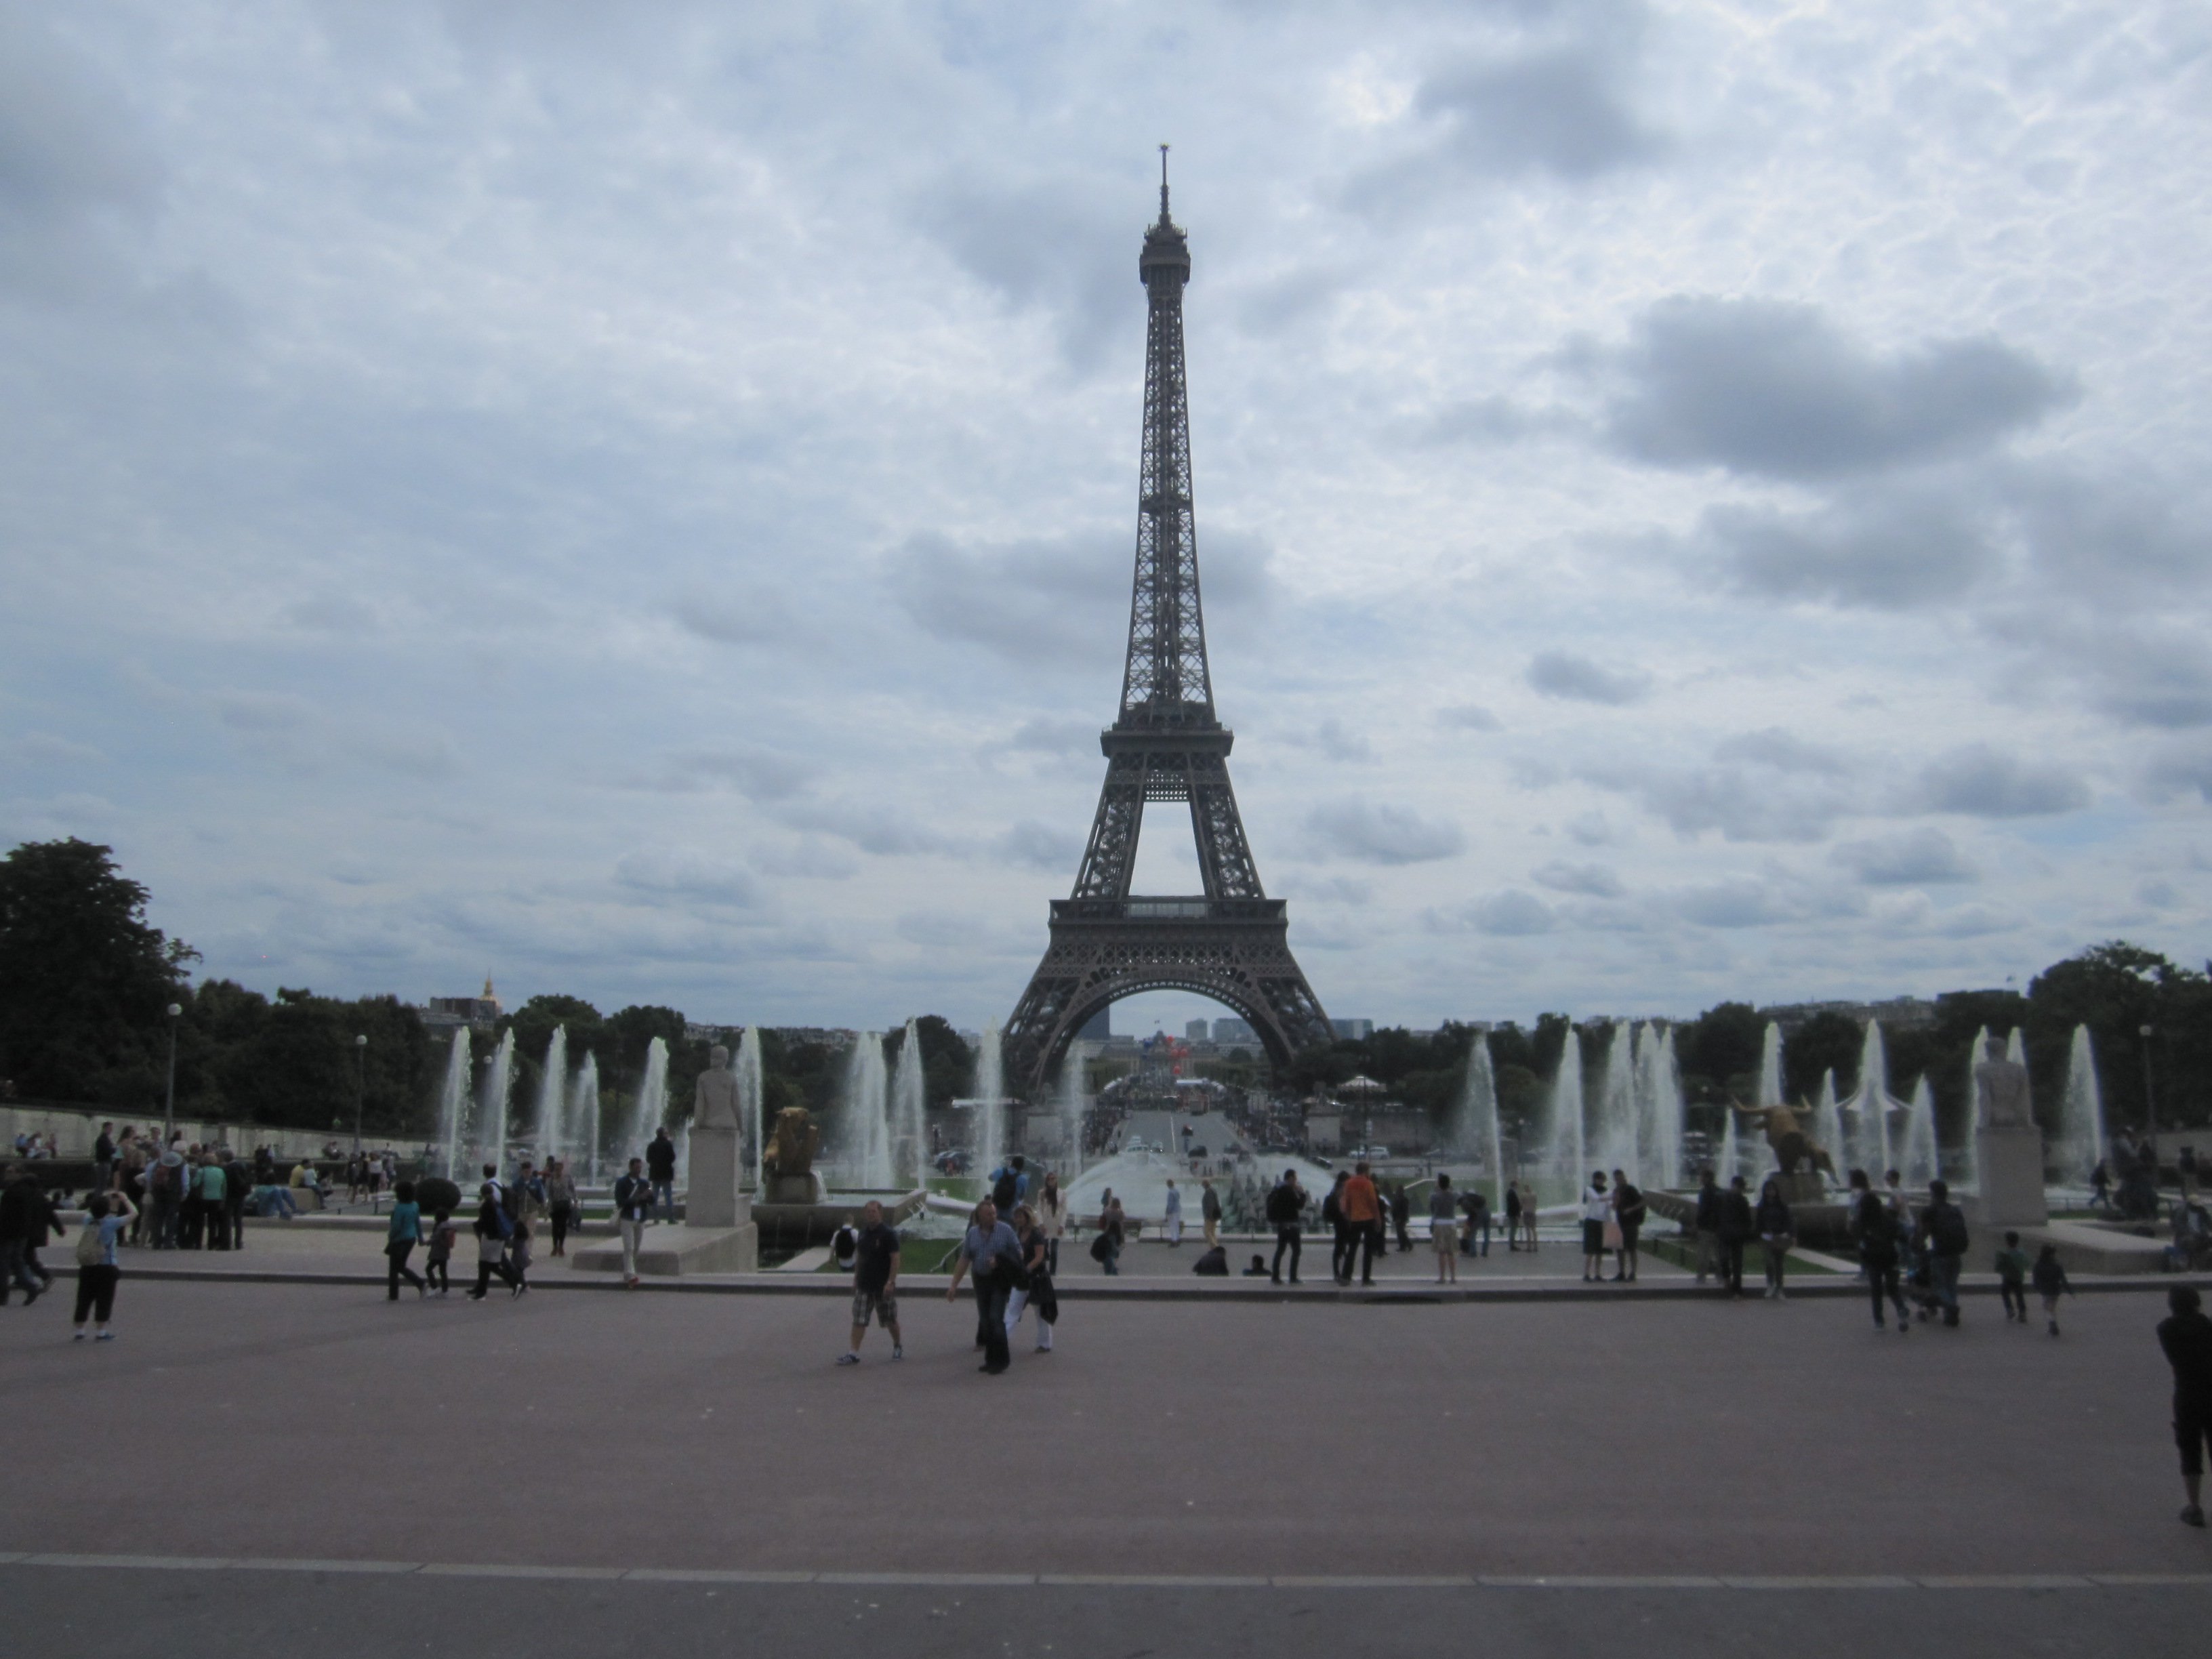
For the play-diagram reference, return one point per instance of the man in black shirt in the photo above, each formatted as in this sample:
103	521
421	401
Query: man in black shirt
1286	1202
660	1164
2186	1336
875	1282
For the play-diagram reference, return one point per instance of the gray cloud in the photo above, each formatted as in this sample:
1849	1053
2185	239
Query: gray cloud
1909	858
1508	914
1983	782
1333	739
751	618
1592	880
1036	603
1776	391
1577	678
1889	553
1056	736
1784	751
1563	111
1737	904
1468	717
1745	804
1042	847
681	873
1057	246
763	774
1376	834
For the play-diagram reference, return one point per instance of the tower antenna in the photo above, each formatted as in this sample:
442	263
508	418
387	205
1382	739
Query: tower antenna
1164	184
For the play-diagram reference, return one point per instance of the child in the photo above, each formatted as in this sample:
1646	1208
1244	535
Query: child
2050	1283
442	1240
518	1259
2012	1278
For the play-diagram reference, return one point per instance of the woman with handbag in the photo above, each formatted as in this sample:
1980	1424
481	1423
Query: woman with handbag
1598	1224
1035	1289
1771	1221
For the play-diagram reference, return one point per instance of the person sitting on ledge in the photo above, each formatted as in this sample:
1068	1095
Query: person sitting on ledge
1259	1268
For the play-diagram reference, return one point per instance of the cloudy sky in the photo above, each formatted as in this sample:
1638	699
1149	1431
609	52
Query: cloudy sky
1695	500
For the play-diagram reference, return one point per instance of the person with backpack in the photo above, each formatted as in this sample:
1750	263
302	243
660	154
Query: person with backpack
105	1219
1286	1203
1943	1233
993	1253
1736	1228
164	1185
2011	1266
1513	1216
1875	1226
560	1203
491	1230
633	1205
1443	1229
660	1163
2050	1276
1332	1217
1006	1187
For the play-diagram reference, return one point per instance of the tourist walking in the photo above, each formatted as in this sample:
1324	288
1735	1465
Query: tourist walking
164	1186
2185	1336
1477	1204
2011	1268
1286	1203
103	1158
1035	1289
1401	1218
1597	1217
400	1237
1628	1213
1363	1213
1777	1234
875	1282
2050	1283
210	1184
2101	1186
1706	1223
660	1163
1106	1248
1876	1229
1209	1211
1444	1229
1734	1226
97	1274
518	1260
1052	1216
993	1253
1943	1232
560	1204
633	1204
1513	1202
1174	1216
436	1268
490	1230
1333	1217
23	1206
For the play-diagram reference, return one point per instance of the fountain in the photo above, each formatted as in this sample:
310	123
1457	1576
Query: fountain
652	1104
453	1103
1872	1102
1770	1065
491	1108
584	1115
2081	1114
864	1127
1563	1125
1827	1121
1729	1161
991	1103
1071	1111
1659	1117
1920	1166
749	1086
1474	1125
910	1111
552	1127
1616	1103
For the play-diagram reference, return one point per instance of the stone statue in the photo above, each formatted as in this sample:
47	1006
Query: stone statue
2001	1091
792	1145
1788	1141
715	1101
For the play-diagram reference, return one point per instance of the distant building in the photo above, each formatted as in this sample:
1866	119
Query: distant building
1099	1027
1193	1031
444	1013
1353	1030
1233	1031
1896	1013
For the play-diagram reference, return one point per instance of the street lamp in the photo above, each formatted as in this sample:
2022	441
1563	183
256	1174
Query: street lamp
2151	1100
360	1087
169	1101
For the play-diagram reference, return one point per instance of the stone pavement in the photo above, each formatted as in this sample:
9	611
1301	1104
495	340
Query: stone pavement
1635	1437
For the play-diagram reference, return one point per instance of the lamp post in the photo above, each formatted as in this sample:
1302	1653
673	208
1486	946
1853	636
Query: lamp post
2150	1099
360	1087
169	1099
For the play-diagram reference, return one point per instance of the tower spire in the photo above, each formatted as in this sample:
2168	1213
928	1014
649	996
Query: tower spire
1164	186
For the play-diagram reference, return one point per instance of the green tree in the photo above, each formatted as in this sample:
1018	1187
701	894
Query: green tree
1719	1052
84	978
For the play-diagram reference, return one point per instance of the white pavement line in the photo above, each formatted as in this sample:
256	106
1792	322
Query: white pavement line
1566	1581
1353	1581
438	1570
159	1563
1155	1581
713	1576
984	1579
2123	1580
279	1564
2023	1581
1871	1581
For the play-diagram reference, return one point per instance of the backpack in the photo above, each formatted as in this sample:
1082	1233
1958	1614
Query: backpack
90	1246
1099	1246
1003	1191
1946	1230
1282	1205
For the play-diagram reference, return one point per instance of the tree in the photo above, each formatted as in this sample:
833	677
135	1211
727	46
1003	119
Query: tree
1719	1052
84	978
1828	1041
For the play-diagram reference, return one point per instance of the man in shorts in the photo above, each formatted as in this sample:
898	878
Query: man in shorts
875	1282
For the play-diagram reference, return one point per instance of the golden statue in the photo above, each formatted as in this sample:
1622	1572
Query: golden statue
1786	1137
793	1141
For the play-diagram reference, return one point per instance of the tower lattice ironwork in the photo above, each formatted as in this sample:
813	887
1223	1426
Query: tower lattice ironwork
1231	942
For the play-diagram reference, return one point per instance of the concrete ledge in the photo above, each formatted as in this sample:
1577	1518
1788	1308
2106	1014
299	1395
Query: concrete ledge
671	1252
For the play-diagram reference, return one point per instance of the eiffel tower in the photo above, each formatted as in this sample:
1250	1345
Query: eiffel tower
1230	943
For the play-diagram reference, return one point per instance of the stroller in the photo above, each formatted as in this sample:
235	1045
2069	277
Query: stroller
1919	1278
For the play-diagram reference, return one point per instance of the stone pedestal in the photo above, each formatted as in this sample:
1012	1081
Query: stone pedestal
2010	1164
1798	1190
716	1197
